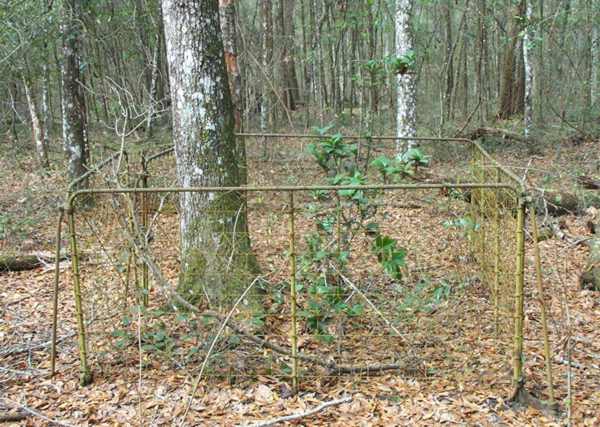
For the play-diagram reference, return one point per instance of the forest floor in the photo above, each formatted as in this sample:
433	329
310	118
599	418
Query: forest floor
457	367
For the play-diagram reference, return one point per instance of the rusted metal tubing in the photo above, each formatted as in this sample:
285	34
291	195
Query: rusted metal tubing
293	296
456	185
61	214
374	137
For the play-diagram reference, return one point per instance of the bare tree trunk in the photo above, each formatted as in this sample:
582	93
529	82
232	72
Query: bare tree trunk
267	58
74	135
481	34
153	96
216	257
153	84
46	112
595	51
227	13
320	81
527	60
406	108
291	63
540	71
449	59
287	84
373	84
36	127
509	92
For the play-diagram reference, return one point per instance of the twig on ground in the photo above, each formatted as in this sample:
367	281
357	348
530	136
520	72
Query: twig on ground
300	415
576	365
26	373
36	413
26	349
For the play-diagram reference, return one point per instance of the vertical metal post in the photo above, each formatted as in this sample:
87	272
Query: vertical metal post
475	194
294	333
482	231
338	225
497	255
144	195
61	214
540	289
85	372
518	295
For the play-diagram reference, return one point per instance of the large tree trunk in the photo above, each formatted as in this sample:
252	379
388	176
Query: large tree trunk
227	12
406	125
292	52
215	248
266	8
528	65
511	86
73	108
449	59
595	52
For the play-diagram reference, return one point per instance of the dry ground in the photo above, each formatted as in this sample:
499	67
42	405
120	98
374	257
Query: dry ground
457	368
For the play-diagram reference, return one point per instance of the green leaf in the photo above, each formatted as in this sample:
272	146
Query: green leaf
356	310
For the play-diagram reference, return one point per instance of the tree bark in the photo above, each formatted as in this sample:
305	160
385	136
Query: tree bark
73	108
406	125
36	126
216	258
267	58
509	89
449	59
227	14
528	65
595	52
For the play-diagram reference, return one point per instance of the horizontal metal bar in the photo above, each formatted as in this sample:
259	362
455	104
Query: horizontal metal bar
456	185
374	137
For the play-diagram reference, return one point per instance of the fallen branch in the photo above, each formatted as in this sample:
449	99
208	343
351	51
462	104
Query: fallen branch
562	235
22	262
11	417
26	349
576	365
300	415
588	183
506	134
35	413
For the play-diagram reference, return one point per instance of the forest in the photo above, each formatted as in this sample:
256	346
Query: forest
311	212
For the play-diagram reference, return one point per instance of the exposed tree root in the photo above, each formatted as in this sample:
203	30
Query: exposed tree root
522	397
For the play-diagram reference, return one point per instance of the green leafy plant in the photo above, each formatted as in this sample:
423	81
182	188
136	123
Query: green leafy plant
347	213
391	258
404	63
391	169
416	158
